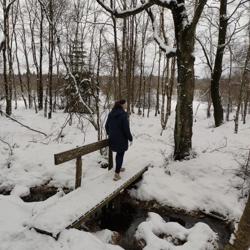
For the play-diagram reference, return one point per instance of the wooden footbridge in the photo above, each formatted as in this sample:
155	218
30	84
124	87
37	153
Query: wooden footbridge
76	207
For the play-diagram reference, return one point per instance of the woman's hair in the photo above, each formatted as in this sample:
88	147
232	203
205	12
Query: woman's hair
118	104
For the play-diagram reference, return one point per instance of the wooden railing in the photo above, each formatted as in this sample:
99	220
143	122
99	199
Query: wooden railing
77	154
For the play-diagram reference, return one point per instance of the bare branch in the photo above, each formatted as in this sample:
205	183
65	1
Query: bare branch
8	6
205	53
200	6
10	148
237	7
23	125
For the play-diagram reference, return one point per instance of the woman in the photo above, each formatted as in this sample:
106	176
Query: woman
117	128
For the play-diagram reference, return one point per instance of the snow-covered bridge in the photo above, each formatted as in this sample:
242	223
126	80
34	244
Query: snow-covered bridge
73	209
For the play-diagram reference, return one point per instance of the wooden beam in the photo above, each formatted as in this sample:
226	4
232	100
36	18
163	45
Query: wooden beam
77	152
78	172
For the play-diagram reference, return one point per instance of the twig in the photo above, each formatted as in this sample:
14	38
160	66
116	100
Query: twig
11	151
63	126
223	146
23	125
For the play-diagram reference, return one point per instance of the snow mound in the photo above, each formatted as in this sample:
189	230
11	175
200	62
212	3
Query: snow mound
107	236
161	235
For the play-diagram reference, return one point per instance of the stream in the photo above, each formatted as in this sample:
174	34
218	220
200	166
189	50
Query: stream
124	214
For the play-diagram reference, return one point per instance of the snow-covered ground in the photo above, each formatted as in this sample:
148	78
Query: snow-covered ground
158	235
207	182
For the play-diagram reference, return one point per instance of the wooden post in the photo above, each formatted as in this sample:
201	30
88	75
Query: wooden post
110	159
78	172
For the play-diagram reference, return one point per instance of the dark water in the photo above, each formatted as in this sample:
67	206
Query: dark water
127	217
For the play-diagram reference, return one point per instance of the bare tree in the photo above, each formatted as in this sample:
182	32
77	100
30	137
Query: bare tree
215	61
184	35
5	47
217	70
142	60
243	86
26	55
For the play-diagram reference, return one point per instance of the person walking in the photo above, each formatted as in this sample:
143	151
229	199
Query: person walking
118	131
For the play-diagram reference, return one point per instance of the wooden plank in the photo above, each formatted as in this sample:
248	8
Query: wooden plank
76	152
104	202
78	172
110	159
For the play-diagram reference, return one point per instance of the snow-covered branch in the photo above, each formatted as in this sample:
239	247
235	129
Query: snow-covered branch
170	4
170	52
129	12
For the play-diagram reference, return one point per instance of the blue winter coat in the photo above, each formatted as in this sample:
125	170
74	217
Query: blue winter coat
117	128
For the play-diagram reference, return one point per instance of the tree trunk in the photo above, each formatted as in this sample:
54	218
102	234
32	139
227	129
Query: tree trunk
51	52
242	89
7	84
245	106
40	86
242	239
157	106
19	72
216	74
25	50
142	63
185	91
229	99
117	54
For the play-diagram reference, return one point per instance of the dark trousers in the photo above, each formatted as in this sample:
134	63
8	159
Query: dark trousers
119	161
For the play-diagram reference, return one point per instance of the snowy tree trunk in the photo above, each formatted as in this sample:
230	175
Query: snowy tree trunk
185	86
242	240
185	92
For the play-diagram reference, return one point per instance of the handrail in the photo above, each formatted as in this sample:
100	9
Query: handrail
77	154
80	151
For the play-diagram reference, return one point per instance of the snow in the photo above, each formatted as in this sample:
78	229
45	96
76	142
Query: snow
199	237
15	235
206	183
106	236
